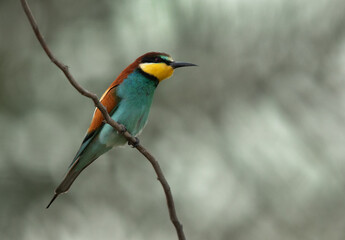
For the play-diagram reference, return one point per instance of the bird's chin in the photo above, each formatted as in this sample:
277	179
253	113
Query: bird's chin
161	71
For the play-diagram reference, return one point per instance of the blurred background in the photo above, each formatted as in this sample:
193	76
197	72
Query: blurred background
251	141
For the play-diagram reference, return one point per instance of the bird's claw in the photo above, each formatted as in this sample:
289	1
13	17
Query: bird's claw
123	129
134	144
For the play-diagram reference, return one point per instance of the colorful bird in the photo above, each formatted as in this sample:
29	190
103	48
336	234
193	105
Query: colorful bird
127	100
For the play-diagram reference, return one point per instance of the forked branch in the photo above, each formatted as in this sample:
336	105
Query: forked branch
132	140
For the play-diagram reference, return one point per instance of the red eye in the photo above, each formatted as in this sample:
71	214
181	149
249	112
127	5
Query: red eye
156	59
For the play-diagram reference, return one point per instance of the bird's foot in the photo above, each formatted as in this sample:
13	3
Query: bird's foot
123	129
134	144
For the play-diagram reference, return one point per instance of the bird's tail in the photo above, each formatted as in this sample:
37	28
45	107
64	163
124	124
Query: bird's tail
70	177
65	184
83	159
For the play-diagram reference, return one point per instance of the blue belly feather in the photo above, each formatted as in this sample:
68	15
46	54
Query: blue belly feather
136	94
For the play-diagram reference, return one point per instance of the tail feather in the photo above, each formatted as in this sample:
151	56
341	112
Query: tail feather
83	159
70	177
77	167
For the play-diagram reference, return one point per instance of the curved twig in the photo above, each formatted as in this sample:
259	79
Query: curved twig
132	140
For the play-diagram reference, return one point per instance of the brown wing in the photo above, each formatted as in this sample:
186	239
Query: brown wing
109	101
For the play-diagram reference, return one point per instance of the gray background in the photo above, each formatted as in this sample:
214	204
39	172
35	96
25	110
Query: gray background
251	141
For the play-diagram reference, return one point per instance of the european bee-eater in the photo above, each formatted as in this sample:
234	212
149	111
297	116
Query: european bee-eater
128	100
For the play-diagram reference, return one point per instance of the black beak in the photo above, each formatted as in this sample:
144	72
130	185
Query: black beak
181	64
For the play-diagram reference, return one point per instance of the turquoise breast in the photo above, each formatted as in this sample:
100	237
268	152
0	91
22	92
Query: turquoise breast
136	94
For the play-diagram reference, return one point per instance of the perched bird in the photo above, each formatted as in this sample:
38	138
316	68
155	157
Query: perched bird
128	100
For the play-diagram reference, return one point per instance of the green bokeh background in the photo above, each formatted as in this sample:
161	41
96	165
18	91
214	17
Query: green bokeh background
251	141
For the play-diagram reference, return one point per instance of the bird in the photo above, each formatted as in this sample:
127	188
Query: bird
128	101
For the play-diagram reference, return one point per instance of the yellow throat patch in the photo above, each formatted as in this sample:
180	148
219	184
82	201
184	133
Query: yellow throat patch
160	70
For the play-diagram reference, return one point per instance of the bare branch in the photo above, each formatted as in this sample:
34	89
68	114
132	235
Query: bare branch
132	140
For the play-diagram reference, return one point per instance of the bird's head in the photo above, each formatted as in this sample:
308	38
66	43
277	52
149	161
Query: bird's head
159	65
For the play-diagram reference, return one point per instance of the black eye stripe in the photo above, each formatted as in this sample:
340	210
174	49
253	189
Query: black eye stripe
155	59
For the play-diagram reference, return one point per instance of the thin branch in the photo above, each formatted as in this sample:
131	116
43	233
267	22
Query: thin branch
132	140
